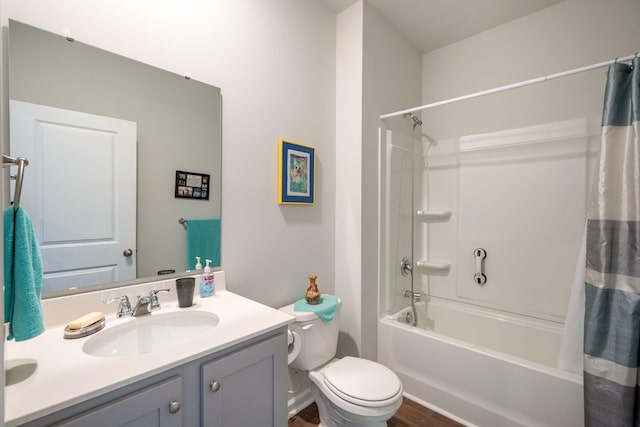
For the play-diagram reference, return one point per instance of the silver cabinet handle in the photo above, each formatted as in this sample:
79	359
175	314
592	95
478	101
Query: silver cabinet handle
174	406
215	386
127	252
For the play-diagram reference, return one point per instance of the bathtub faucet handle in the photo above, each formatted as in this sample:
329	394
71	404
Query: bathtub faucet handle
405	266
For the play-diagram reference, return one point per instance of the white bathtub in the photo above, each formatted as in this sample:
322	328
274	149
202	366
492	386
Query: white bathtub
472	384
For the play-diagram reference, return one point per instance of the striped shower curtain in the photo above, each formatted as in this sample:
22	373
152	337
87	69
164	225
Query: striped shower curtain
612	280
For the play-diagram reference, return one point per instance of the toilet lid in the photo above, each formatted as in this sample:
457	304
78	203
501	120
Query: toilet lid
362	381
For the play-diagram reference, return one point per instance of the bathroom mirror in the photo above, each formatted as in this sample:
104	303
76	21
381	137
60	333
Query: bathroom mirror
171	171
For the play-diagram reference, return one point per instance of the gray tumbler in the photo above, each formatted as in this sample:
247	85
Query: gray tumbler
185	287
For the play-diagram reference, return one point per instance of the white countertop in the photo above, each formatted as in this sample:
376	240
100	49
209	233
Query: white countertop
66	375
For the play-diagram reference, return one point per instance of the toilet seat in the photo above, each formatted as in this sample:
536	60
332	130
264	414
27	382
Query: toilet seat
362	382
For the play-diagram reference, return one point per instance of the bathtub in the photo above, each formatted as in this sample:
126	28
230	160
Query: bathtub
458	375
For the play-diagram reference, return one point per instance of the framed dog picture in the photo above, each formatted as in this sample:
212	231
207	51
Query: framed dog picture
296	170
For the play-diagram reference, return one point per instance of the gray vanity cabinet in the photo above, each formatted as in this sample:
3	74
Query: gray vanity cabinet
246	388
155	406
241	386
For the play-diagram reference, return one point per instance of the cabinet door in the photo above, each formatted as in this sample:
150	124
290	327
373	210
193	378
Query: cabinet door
156	406
247	388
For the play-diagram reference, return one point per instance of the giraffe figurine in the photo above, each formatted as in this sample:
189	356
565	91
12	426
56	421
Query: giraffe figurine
313	294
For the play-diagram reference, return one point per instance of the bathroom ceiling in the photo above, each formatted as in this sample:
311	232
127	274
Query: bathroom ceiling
431	24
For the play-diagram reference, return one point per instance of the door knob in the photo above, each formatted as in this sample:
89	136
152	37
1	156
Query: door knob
174	406
128	252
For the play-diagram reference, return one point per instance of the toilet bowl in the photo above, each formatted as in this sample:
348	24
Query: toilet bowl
349	392
355	392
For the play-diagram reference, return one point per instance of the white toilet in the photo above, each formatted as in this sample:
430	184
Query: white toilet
349	392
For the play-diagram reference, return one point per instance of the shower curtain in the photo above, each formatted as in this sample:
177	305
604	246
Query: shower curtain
612	277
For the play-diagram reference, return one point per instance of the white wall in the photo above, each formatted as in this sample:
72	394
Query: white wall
275	64
572	34
348	253
376	71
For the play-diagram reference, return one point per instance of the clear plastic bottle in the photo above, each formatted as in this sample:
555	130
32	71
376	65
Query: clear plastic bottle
198	268
206	281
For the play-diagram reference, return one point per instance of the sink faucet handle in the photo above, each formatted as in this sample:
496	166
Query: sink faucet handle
124	306
155	304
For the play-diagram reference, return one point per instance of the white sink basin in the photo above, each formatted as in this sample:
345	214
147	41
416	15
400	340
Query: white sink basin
150	333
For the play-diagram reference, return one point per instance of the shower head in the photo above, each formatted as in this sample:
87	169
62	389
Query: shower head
416	120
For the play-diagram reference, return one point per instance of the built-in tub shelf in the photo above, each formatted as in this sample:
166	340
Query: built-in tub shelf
435	266
434	215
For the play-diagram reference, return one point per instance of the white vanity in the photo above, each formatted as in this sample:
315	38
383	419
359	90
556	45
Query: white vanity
231	373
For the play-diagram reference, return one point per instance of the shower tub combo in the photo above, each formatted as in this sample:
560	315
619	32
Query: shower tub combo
480	339
472	384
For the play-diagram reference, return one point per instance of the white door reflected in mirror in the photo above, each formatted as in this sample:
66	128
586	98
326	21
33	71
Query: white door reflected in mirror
82	239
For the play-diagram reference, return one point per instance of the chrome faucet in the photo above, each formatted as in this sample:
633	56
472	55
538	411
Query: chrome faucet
147	304
124	306
155	304
144	305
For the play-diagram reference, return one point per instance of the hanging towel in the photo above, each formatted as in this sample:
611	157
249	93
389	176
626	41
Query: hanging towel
203	240
22	277
326	310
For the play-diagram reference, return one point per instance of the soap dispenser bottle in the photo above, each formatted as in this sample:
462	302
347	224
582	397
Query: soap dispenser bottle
206	281
198	268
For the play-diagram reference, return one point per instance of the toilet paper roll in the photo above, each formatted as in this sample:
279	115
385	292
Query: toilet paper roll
293	345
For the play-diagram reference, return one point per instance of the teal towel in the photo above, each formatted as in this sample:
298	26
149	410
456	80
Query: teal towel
326	310
203	240
22	277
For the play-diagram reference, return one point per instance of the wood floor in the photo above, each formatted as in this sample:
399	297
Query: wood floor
410	414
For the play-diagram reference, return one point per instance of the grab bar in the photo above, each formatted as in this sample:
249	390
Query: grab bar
21	162
480	254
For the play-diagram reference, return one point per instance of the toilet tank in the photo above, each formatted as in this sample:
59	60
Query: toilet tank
318	339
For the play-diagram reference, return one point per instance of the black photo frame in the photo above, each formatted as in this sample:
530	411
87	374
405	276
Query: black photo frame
192	185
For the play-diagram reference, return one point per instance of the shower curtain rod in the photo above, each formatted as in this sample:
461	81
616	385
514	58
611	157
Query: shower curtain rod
508	87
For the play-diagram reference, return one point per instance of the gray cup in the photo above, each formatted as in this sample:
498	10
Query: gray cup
185	287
